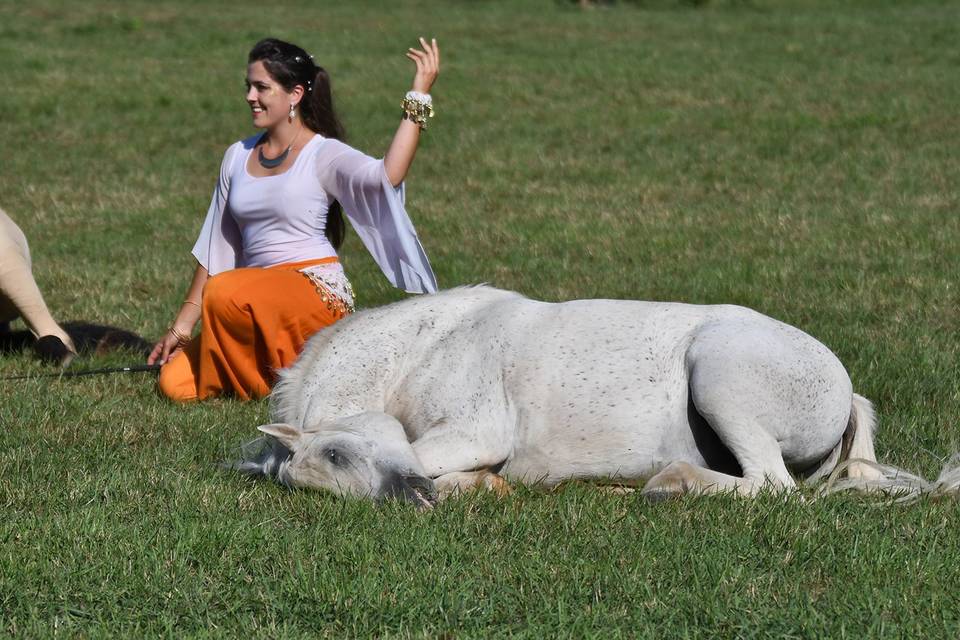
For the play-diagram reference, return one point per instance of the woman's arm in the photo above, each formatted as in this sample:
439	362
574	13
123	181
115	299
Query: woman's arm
182	327
404	146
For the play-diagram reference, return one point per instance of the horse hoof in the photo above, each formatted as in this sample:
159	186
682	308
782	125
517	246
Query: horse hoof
51	350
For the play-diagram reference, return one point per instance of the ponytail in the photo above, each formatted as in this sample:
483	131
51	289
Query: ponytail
316	110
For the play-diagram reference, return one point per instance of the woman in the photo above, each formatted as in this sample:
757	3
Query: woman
267	275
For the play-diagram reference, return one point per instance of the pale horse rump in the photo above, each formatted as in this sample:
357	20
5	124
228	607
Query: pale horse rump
475	385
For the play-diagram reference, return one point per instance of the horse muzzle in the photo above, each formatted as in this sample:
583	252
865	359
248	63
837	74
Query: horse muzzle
412	488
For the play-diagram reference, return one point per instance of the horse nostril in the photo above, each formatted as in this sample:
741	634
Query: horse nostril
416	489
424	491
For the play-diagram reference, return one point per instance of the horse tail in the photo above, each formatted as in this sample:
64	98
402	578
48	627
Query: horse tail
855	449
857	441
858	461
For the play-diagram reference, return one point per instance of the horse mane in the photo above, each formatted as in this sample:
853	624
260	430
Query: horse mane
261	457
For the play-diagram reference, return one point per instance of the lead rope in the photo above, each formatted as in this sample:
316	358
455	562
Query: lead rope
134	368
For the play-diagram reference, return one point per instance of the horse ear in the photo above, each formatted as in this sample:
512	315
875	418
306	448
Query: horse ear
287	435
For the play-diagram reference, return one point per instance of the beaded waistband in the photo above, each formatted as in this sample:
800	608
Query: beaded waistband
332	285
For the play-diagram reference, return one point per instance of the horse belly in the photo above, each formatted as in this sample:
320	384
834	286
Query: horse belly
615	420
625	447
600	389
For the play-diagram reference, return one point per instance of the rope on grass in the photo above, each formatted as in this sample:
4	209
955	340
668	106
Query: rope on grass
134	368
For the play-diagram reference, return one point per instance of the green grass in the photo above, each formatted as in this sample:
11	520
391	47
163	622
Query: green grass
798	157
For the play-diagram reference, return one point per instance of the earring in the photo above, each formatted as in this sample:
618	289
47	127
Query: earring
292	113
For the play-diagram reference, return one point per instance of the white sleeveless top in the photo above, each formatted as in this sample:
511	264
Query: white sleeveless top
270	220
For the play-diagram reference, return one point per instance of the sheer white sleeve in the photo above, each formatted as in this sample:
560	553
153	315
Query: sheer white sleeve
376	210
220	247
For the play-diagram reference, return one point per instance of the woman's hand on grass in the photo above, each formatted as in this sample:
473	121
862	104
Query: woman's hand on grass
167	347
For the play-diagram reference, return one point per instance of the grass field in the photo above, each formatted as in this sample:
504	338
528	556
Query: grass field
796	156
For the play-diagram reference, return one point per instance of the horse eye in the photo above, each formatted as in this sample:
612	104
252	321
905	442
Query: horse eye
335	457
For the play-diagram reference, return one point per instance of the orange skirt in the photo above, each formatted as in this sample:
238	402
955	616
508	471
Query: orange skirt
254	322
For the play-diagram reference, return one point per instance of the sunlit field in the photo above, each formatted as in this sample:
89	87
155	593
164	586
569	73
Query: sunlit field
798	157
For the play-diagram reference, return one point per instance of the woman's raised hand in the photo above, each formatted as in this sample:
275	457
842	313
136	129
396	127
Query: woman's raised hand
428	64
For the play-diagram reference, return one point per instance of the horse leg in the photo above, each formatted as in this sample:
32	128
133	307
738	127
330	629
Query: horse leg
754	403
19	295
757	452
450	446
463	481
679	478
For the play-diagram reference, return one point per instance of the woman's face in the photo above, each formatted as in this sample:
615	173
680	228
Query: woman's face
269	101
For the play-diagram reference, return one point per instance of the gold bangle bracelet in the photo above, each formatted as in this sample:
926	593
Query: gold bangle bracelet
196	304
182	338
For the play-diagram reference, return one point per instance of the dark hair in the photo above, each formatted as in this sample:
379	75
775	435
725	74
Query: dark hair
290	66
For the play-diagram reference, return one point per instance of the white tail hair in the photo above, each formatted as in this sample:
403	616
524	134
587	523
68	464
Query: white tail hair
858	461
857	442
893	481
863	423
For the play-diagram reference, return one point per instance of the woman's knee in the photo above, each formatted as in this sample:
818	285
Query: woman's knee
178	381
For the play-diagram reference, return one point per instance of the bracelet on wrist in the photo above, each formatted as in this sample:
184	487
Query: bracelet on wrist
182	338
417	107
426	98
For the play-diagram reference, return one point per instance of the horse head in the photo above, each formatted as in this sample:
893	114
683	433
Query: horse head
365	455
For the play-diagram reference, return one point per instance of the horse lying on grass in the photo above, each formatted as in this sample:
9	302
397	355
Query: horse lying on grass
474	385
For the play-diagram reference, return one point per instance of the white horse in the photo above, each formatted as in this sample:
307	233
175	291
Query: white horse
458	386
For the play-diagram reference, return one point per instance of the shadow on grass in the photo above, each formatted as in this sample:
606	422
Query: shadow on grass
90	339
